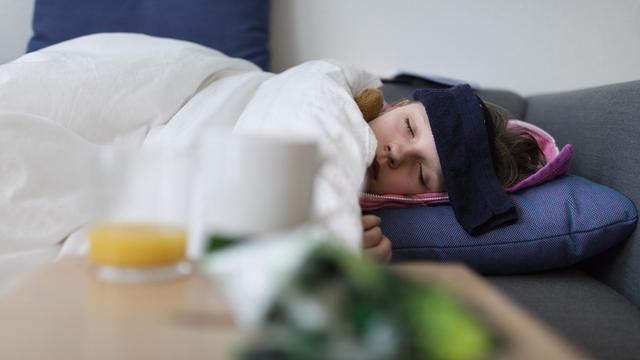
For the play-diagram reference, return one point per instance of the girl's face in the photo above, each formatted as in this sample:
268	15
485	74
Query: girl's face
406	161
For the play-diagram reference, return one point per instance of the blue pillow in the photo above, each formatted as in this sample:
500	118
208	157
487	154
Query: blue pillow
237	28
560	223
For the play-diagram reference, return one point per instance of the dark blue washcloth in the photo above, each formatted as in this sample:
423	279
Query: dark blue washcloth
463	132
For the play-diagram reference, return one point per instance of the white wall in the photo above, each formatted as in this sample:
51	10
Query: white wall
527	46
15	28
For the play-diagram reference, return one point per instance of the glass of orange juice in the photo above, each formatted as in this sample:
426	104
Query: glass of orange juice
140	231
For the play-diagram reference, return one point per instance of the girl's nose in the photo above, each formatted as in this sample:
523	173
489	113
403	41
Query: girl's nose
395	155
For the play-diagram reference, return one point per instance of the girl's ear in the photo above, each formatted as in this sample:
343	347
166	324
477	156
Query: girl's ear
370	102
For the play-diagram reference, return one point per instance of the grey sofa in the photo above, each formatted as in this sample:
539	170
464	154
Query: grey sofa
595	304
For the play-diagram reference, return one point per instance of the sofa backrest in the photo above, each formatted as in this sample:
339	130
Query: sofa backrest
603	124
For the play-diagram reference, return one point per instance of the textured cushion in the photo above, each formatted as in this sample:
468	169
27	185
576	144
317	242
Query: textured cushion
237	28
588	313
560	223
602	124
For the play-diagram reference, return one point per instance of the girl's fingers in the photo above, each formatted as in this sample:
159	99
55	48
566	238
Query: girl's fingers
387	260
382	251
370	221
372	237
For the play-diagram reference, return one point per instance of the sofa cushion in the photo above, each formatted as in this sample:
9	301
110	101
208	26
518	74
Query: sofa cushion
237	28
602	124
560	223
585	311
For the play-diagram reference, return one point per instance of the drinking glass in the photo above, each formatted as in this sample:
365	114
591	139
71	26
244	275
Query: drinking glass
139	232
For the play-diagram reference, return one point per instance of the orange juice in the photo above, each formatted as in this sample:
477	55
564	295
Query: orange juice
137	244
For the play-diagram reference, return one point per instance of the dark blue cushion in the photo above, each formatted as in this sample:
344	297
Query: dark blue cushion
560	223
237	28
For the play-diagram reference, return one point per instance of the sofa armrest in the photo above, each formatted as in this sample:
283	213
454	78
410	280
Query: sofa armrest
603	124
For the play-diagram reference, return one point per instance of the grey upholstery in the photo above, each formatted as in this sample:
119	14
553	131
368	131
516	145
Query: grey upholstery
586	311
603	124
598	309
513	102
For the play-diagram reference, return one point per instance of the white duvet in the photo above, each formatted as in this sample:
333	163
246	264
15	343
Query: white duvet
60	105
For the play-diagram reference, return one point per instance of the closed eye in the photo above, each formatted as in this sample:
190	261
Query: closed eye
421	177
408	124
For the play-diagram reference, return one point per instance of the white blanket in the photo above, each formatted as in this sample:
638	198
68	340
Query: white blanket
60	105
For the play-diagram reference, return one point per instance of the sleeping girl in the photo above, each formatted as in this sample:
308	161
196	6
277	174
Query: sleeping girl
440	141
448	141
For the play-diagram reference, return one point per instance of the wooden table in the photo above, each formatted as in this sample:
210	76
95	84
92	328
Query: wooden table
63	312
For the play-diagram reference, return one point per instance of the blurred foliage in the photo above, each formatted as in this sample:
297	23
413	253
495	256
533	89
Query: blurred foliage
340	306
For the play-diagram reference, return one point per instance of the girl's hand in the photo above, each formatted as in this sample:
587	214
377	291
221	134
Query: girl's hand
374	242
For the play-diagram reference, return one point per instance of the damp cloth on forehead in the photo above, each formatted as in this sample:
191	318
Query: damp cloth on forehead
463	132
